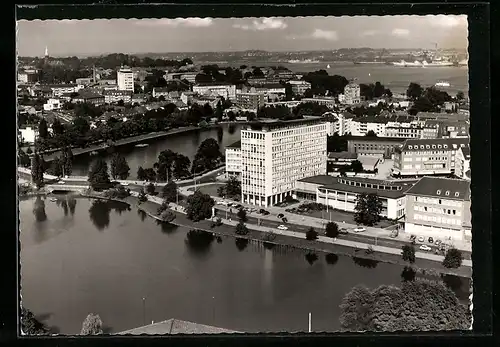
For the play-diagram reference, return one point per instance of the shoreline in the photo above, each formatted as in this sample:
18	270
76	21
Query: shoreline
289	241
134	139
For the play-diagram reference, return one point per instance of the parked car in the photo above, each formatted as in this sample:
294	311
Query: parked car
359	229
413	237
343	231
61	182
437	242
431	240
238	206
282	227
284	219
421	239
281	215
264	212
425	248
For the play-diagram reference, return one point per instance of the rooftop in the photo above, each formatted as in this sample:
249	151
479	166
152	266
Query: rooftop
208	84
342	155
176	326
466	152
375	139
277	124
236	144
448	143
449	188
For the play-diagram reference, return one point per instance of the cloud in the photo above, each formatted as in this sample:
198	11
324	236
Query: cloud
178	22
400	32
263	24
368	33
450	21
325	35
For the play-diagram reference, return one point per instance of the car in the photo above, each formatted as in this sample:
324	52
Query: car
263	212
431	240
284	220
282	227
343	231
421	239
281	215
238	206
437	242
124	184
413	237
61	182
359	229
425	248
393	235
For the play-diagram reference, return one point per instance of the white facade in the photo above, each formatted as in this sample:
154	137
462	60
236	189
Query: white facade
125	80
275	156
52	104
233	161
362	128
462	163
28	134
227	91
299	87
352	94
64	89
328	102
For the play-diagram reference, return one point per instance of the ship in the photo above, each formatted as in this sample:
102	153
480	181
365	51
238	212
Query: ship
404	63
442	84
306	61
438	63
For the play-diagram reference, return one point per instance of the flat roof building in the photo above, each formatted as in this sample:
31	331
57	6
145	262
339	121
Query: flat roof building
233	158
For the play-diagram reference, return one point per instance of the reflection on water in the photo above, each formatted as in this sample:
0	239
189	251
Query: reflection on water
241	243
331	258
99	214
166	228
369	263
143	215
231	129
408	274
199	241
311	257
39	209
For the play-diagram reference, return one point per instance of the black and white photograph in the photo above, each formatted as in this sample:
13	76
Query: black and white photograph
203	175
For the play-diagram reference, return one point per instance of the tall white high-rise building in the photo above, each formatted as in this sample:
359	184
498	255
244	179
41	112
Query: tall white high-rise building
352	94
125	79
274	155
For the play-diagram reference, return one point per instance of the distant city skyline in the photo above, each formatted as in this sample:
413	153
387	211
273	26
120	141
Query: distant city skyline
278	34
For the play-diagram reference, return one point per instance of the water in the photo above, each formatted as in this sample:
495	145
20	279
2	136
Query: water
78	257
184	143
395	78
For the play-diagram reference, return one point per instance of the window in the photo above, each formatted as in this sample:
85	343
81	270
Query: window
445	146
439	193
457	194
447	193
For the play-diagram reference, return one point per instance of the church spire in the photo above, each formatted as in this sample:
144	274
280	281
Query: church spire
46	51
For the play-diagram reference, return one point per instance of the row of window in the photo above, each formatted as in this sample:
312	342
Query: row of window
407	158
437	219
437	210
435	201
426	166
445	146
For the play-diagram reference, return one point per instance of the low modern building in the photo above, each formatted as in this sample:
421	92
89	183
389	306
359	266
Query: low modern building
111	96
326	101
52	104
89	97
439	208
233	159
341	192
250	101
275	154
462	163
337	160
299	87
382	147
226	90
426	157
157	92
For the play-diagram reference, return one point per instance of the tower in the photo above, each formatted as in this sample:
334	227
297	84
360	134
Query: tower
46	52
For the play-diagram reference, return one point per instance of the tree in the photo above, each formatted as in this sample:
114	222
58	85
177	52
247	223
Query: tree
150	189
42	129
242	215
460	96
371	133
241	228
332	230
408	253
219	112
98	175
311	234
207	156
56	167
418	305
233	187
141	176
30	325
37	170
181	166
221	191
92	325
414	91
453	259
170	191
167	216
199	206
356	166
119	167
67	161
57	127
368	208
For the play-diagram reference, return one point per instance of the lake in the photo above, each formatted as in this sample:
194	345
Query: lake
80	256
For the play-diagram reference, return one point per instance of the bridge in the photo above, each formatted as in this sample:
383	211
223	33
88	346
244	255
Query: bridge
58	187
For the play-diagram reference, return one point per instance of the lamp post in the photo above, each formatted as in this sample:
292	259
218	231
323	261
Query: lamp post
213	309
143	311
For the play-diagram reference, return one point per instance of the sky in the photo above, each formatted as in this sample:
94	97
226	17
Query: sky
103	36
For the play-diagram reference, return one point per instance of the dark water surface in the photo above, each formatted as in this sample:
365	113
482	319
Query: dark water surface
80	256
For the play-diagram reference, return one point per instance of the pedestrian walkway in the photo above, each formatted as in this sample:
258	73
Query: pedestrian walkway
324	239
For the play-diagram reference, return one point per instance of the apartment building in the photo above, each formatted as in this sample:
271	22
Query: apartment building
125	80
275	154
52	104
439	208
299	87
157	92
111	96
250	101
233	159
28	76
381	147
409	132
326	101
341	193
27	134
427	156
352	94
462	163
226	90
